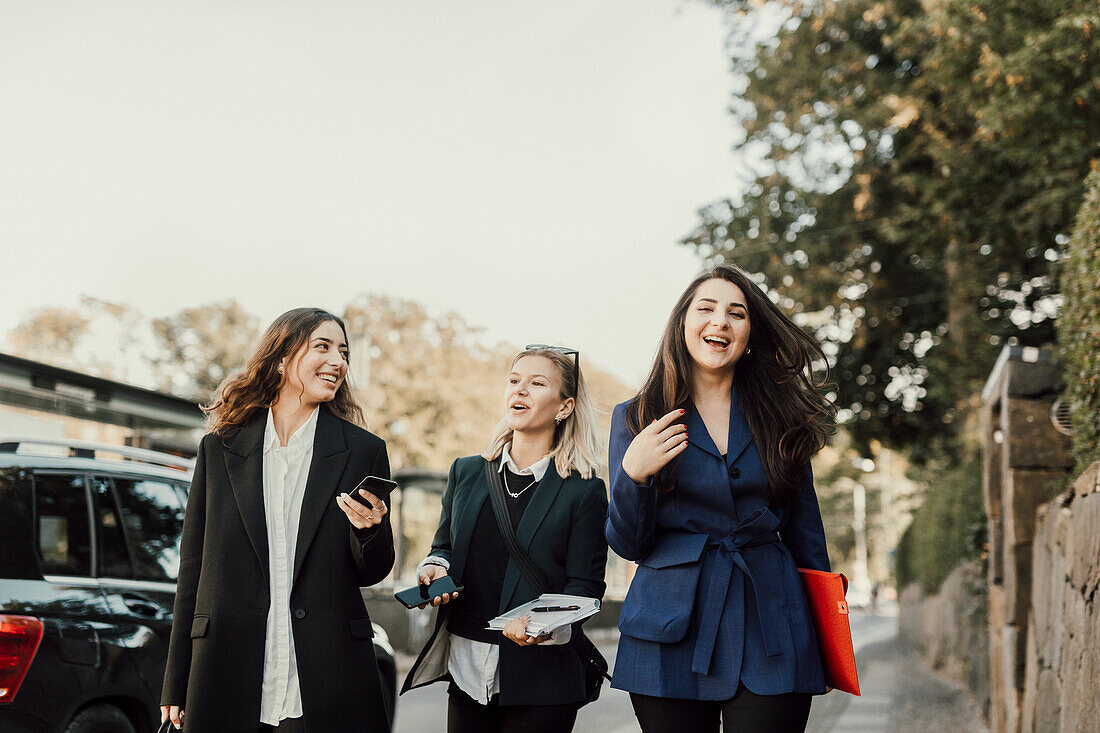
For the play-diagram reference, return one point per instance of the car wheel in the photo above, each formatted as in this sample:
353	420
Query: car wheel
101	719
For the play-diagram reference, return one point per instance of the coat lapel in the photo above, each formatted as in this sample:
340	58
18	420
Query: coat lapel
739	434
464	521
330	455
245	465
698	435
545	494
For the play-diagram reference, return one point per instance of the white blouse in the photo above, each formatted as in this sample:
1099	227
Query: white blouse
285	471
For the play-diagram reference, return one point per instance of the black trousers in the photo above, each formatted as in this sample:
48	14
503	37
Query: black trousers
286	725
745	711
466	715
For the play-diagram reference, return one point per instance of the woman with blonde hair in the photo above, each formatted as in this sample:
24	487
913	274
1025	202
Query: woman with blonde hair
269	631
546	454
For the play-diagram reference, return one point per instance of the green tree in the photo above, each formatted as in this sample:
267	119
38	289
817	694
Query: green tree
919	164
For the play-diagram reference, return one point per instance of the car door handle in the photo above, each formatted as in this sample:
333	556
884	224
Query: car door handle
141	606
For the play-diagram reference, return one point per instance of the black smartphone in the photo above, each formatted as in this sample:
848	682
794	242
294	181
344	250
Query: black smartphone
380	487
413	597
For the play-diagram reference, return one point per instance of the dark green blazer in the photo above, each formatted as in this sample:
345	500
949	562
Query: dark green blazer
562	531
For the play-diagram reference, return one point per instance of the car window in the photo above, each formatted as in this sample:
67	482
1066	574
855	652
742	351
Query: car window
112	557
153	516
64	538
18	539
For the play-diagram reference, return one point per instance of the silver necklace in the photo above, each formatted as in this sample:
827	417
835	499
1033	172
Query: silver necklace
516	495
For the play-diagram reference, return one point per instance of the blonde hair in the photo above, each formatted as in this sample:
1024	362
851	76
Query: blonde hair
575	446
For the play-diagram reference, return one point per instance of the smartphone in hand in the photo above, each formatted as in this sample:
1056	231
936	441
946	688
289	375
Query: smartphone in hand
420	594
380	487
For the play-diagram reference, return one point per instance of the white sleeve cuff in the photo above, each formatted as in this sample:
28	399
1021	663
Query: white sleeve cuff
560	636
433	560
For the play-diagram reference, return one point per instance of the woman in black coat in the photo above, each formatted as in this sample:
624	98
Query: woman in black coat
546	453
269	631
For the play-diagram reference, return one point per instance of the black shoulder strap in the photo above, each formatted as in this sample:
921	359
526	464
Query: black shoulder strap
580	644
508	533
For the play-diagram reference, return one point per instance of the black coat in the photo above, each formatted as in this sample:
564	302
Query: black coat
562	531
216	654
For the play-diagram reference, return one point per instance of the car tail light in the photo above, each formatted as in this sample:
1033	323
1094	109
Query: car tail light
19	639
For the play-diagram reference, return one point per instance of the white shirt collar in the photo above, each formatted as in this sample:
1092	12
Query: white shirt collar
538	469
301	439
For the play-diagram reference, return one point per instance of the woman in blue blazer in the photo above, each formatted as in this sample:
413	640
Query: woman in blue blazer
712	496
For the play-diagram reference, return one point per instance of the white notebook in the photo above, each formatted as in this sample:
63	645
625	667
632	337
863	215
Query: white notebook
543	622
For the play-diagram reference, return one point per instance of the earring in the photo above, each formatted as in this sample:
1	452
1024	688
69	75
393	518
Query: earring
557	420
748	351
280	370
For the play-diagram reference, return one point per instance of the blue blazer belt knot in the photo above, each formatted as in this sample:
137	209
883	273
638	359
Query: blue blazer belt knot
758	529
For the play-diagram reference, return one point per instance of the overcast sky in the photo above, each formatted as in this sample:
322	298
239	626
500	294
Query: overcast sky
528	165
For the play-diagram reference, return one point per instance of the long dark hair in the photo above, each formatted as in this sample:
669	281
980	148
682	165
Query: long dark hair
786	410
255	387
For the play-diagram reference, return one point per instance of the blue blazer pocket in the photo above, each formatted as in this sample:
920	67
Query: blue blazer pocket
661	598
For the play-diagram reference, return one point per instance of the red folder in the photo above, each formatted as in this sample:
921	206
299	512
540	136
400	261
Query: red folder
825	593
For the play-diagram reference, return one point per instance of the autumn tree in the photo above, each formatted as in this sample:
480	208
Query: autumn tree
198	347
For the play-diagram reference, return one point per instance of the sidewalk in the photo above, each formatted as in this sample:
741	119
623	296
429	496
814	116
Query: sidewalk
900	693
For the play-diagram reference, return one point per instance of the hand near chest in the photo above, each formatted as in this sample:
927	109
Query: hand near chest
654	446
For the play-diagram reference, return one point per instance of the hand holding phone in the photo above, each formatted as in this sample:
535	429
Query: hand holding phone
379	487
368	509
441	588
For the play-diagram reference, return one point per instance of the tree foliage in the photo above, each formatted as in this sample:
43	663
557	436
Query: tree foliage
427	383
917	166
199	346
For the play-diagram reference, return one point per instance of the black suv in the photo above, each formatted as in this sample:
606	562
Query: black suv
89	549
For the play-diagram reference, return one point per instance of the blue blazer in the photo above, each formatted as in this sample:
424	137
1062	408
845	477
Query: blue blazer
716	599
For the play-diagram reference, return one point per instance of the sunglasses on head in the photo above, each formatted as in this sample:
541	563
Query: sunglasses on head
563	350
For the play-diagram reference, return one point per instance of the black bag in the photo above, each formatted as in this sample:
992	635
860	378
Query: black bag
595	666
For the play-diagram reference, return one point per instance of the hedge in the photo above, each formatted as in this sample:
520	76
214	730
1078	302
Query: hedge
1079	326
949	528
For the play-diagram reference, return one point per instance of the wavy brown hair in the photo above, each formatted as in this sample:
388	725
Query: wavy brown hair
241	396
785	407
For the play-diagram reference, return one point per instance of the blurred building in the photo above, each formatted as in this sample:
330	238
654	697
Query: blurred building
43	401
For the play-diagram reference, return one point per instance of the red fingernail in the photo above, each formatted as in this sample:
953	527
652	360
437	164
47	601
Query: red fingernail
681	412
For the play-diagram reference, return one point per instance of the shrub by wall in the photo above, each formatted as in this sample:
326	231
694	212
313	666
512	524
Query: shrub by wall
948	529
1079	325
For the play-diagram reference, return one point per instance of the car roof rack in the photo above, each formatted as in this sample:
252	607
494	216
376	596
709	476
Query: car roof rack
89	449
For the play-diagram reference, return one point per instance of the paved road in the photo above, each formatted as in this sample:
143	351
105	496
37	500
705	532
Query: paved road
900	695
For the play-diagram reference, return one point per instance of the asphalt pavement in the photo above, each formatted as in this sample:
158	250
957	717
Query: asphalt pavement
900	694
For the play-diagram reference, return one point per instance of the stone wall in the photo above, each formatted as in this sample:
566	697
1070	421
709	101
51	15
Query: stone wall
1026	462
949	629
1062	668
1042	611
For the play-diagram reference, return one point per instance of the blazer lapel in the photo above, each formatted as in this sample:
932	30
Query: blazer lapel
463	523
545	494
330	455
739	434
245	465
698	435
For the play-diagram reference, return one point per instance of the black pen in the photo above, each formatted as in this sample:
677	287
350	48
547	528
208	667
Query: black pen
545	609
